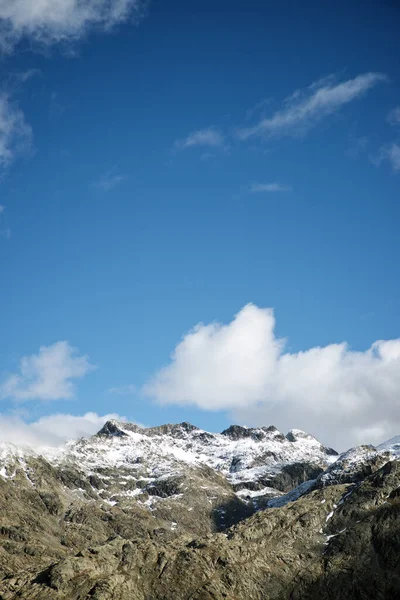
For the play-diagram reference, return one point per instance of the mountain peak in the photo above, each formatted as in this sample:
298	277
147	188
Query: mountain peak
237	432
123	428
172	429
298	434
117	428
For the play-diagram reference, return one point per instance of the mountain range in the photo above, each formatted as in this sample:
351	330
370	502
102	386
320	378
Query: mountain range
176	512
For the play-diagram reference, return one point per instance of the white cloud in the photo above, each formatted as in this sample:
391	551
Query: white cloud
52	430
52	21
123	390
305	108
338	394
203	137
15	133
2	209
257	188
394	116
47	375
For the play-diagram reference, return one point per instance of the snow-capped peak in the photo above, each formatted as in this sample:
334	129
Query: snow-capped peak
392	446
250	458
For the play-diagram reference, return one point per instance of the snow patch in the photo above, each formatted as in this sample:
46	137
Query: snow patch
291	496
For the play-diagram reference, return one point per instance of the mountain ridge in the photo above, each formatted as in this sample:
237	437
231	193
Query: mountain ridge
169	512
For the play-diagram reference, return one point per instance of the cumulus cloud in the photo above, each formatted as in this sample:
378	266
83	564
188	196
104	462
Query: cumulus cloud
210	137
52	21
345	397
257	188
51	430
305	108
15	133
47	375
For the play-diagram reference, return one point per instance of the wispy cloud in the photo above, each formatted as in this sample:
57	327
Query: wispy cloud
15	133
258	108
342	395
389	153
357	145
56	108
305	108
123	390
210	137
5	233
394	116
260	188
392	153
52	21
47	375
110	180
24	76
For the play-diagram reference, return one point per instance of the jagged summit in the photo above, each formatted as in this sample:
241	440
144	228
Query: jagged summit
113	427
233	432
121	428
237	432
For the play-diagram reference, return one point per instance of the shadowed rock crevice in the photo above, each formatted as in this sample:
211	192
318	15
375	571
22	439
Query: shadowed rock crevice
231	513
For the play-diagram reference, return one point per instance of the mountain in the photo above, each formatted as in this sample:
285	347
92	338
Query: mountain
175	512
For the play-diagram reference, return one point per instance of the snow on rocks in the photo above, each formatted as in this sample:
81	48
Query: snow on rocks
357	463
293	495
247	457
125	461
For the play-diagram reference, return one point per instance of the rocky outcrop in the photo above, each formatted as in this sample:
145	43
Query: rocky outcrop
334	543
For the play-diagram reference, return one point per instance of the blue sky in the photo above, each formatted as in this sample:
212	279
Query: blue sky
168	164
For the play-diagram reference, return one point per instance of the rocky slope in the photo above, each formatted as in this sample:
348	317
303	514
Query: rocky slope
174	512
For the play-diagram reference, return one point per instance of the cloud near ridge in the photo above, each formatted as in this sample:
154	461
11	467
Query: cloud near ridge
304	108
52	430
342	396
47	375
52	21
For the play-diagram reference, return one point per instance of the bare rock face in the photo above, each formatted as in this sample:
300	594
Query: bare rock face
174	512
